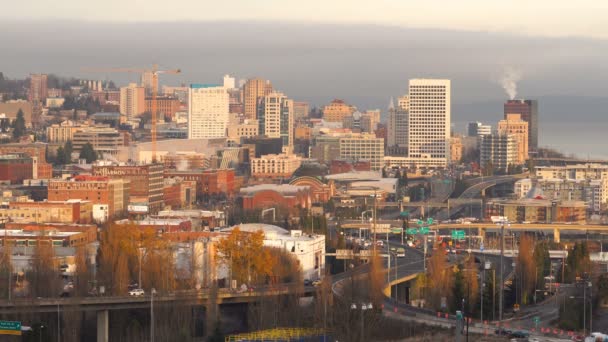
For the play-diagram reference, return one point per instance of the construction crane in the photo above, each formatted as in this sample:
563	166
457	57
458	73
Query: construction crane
154	71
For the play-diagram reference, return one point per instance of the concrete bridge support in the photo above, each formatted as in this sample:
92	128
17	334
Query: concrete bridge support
482	234
102	326
556	236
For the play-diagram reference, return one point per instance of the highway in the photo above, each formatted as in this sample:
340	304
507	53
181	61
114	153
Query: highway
188	297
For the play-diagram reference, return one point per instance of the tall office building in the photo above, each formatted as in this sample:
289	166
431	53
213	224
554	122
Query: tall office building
476	129
208	111
429	122
132	101
519	128
252	90
337	110
498	150
38	88
276	117
528	109
397	128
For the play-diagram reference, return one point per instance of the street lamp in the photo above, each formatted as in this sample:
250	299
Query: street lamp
152	292
502	224
364	307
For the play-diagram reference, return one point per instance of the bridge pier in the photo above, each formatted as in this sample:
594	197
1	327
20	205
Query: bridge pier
102	326
556	236
482	234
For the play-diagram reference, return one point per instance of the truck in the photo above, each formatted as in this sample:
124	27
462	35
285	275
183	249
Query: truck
498	219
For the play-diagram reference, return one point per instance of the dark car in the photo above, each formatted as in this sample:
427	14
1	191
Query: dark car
502	331
520	334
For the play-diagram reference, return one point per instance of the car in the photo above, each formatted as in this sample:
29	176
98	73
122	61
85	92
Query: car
502	331
380	243
393	249
316	283
520	334
307	282
578	338
137	292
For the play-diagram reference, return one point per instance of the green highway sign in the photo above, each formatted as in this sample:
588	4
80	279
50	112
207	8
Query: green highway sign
411	231
10	328
424	230
405	213
458	234
429	220
419	222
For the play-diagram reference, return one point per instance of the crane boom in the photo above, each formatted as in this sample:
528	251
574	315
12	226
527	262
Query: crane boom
155	72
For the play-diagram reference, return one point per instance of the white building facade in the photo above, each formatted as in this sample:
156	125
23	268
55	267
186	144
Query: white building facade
429	121
276	118
208	111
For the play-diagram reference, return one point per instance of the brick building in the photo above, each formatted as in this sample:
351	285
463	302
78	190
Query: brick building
178	193
37	151
98	190
208	182
166	106
343	166
290	197
14	168
146	182
70	211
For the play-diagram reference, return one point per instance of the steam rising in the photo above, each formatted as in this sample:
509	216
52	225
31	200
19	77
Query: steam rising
509	81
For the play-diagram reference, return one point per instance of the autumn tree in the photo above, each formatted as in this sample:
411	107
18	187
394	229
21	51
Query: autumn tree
5	269
244	252
44	275
83	274
471	283
578	262
525	268
440	275
542	264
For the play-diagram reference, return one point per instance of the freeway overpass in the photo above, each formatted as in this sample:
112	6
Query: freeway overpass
482	228
103	304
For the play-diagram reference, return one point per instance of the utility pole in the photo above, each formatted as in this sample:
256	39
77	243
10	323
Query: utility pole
502	280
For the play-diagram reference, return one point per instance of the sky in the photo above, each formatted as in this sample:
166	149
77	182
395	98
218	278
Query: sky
555	18
361	51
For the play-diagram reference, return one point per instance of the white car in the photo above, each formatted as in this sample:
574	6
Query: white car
136	292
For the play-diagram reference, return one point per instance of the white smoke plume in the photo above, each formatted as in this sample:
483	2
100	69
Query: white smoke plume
509	80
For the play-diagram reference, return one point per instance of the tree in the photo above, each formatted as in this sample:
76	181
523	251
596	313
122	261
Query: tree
578	262
471	284
19	125
525	268
44	276
542	264
440	276
68	149
244	252
60	157
88	153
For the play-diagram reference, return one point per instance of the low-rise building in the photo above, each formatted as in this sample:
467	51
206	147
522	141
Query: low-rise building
96	189
308	249
170	225
146	182
42	169
290	197
536	210
70	211
208	182
275	166
201	219
178	193
104	139
578	171
14	168
60	133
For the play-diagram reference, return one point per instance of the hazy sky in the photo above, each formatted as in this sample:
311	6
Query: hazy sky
583	18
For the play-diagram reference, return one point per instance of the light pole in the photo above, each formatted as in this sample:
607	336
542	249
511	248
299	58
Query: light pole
152	292
363	307
141	251
502	256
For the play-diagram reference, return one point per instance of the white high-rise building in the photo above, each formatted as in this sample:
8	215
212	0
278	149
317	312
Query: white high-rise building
208	111
229	82
276	117
132	101
429	122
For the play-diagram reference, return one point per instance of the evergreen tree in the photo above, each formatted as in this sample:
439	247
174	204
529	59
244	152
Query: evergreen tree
60	159
19	125
68	149
88	153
